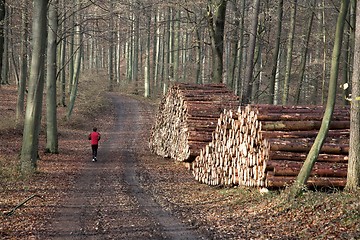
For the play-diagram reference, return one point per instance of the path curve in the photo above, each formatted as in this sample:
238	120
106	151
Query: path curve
107	201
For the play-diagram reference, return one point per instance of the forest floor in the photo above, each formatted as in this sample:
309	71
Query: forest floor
130	193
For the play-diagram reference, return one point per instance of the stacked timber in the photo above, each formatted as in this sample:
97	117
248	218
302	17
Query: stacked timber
186	117
266	145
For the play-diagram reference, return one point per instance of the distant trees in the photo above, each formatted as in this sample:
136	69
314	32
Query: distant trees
245	44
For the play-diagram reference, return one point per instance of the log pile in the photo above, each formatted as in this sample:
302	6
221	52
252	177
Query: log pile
266	145
186	117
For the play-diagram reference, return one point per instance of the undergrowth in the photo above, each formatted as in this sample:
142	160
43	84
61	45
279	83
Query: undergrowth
9	169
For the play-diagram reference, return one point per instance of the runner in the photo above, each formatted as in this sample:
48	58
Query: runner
94	138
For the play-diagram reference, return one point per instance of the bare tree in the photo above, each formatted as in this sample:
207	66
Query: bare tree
248	81
216	18
51	116
276	51
289	53
2	34
29	150
23	63
353	175
313	154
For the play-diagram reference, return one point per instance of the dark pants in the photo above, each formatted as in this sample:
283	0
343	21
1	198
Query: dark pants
94	150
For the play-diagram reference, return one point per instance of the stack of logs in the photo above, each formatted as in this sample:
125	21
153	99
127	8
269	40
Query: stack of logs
266	145
186	118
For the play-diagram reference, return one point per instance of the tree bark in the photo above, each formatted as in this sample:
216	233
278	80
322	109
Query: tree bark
147	61
77	64
29	150
276	52
216	18
111	62
353	177
62	81
51	116
23	64
305	51
247	91
290	44
2	37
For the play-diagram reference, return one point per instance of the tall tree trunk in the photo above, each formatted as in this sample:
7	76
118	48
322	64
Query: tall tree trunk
313	154
171	45
216	18
320	53
129	54
156	52
63	60
77	62
5	56
289	48
166	52
135	69
71	46
23	63
246	96
348	51
353	174
185	57
111	47
176	74
239	78
324	69
147	61
51	119
276	52
2	34
199	55
234	46
29	150
119	57
304	52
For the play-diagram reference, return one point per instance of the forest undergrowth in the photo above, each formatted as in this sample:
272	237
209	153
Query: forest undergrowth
229	213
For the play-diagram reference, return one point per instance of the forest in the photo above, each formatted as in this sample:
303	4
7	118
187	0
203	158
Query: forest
153	43
283	52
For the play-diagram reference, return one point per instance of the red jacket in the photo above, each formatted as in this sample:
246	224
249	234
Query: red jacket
94	138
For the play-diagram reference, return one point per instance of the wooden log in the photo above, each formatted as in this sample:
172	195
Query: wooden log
242	149
296	156
302	146
312	116
291	108
343	133
283	181
290	168
301	125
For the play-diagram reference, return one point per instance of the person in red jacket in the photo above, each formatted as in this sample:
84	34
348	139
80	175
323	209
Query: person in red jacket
94	138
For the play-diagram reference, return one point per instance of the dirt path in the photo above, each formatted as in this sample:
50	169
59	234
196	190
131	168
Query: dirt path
107	201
